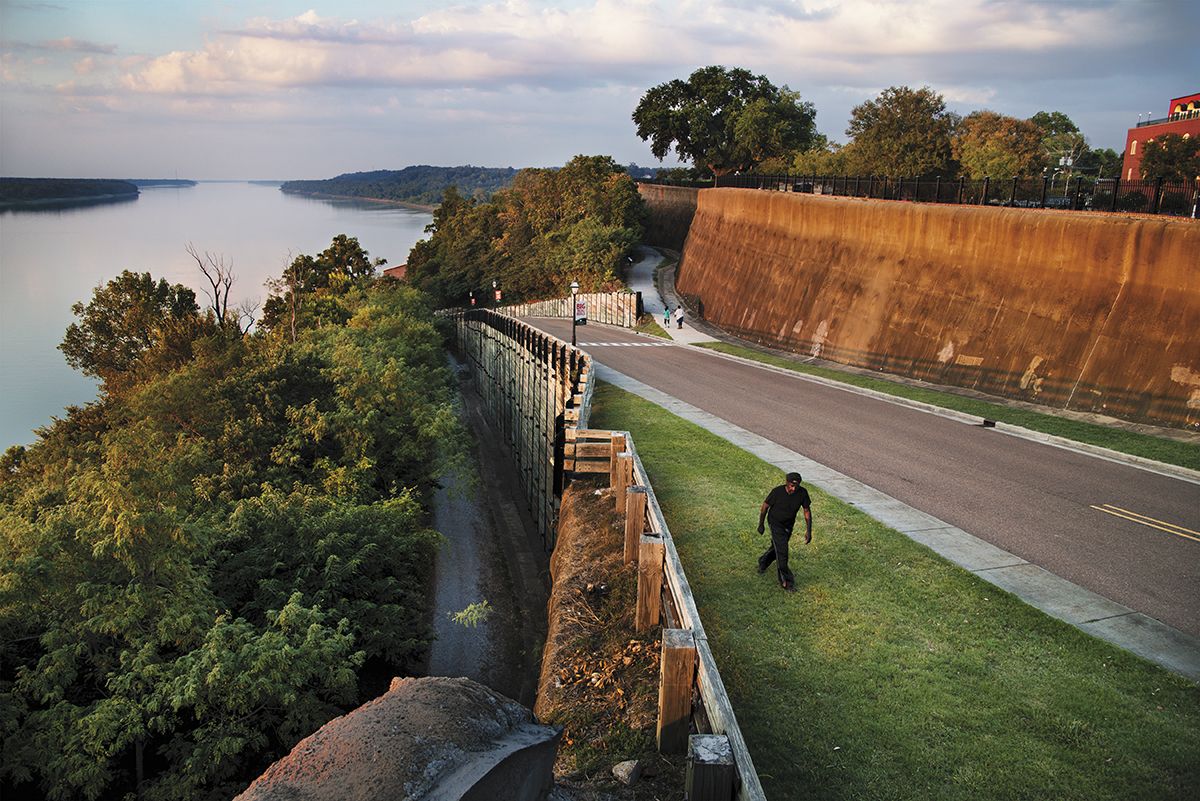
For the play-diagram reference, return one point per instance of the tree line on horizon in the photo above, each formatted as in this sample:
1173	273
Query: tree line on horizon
420	184
230	546
724	121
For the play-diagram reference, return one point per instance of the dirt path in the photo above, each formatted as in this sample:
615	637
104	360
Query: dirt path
491	552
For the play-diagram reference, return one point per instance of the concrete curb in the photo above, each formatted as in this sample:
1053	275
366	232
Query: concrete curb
1092	613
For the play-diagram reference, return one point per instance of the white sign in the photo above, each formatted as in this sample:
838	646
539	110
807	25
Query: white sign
580	311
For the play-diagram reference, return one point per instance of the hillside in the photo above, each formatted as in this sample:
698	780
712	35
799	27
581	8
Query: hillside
422	185
21	191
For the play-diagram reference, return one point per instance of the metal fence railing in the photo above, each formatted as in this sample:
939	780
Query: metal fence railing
1079	193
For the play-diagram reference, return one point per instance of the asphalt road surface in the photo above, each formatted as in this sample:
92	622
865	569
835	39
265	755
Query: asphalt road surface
1037	501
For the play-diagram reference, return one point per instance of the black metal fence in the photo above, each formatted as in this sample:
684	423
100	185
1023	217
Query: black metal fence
1081	193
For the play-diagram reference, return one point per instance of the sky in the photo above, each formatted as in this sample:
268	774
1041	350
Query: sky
225	89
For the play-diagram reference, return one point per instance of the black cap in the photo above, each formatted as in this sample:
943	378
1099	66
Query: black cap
793	478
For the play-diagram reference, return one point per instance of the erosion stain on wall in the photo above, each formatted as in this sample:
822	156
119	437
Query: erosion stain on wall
1086	311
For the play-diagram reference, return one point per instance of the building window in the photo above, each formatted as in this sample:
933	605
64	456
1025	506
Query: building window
1133	148
1129	174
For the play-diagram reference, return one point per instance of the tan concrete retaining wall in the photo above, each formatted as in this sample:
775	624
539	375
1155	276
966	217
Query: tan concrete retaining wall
671	210
1085	311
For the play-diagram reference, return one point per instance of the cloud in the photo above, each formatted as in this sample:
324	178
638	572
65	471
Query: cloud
66	44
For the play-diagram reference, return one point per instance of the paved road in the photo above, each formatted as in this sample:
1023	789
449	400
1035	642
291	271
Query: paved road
1034	500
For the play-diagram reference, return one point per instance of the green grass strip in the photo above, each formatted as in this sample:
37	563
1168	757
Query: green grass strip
647	325
892	673
1160	450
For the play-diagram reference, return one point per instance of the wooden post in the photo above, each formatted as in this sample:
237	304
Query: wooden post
635	519
651	553
710	770
676	670
624	479
618	447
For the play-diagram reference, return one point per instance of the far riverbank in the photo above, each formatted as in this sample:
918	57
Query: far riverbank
358	198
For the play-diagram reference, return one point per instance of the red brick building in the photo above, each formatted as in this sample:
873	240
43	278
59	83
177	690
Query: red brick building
1183	118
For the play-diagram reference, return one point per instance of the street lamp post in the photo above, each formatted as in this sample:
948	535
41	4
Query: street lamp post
495	293
574	309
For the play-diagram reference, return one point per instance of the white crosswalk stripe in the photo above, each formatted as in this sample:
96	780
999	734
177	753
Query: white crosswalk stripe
625	344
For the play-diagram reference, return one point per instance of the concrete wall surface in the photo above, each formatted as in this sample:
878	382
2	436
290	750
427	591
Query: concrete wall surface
671	210
1093	312
430	739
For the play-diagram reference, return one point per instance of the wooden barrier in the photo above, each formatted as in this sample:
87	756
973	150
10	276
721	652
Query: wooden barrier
611	308
650	582
676	677
538	392
710	768
635	521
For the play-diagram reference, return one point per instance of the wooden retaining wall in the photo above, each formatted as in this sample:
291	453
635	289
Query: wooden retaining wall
614	308
534	387
538	391
1094	312
692	696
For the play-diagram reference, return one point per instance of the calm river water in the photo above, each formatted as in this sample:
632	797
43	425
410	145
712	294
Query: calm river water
51	259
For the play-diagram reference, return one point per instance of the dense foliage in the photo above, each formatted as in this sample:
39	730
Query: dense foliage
422	184
195	569
1171	157
902	133
551	227
724	120
26	190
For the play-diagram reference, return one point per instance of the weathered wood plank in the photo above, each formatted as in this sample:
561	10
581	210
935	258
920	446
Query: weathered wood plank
635	521
677	669
710	769
650	578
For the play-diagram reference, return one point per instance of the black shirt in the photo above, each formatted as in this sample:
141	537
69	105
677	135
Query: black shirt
784	506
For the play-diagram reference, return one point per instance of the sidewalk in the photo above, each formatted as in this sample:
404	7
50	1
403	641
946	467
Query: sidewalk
641	279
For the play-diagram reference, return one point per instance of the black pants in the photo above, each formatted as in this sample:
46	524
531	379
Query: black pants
778	553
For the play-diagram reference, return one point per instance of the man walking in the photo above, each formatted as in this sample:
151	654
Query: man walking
679	317
779	510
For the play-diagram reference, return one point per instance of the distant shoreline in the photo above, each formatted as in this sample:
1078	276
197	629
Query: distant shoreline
386	202
79	200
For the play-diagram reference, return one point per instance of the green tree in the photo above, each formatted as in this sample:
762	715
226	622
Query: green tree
126	318
902	133
1062	142
987	144
1172	158
305	294
549	228
1102	163
724	120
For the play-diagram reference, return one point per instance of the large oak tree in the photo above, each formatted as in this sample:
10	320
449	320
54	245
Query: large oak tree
724	120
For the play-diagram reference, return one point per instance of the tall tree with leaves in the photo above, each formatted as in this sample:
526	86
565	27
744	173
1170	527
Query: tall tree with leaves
1172	158
902	133
987	144
127	317
1062	142
724	120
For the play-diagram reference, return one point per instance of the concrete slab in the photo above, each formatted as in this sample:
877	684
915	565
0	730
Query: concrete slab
1053	595
1119	625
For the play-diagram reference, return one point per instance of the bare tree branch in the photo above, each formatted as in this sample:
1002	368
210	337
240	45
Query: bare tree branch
220	279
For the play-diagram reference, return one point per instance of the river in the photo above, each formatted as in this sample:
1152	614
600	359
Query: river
52	258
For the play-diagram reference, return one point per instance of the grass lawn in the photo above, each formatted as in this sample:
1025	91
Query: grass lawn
647	324
891	673
1157	448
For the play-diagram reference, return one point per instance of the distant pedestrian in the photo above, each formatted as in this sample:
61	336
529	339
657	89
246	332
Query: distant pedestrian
679	317
779	510
666	316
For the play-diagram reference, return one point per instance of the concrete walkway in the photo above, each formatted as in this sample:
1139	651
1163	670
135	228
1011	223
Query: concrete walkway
1092	613
641	279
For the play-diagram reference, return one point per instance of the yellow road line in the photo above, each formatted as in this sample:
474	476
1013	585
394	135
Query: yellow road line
1161	525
